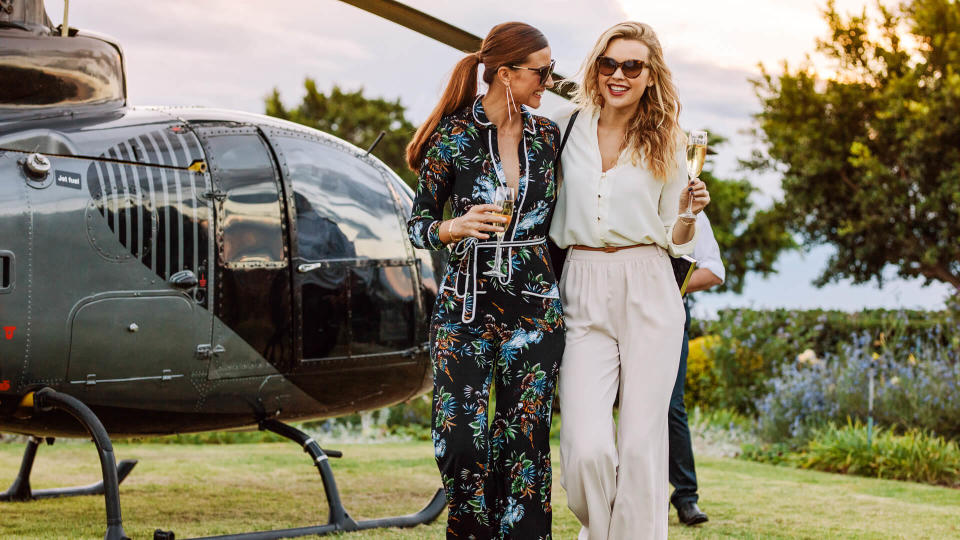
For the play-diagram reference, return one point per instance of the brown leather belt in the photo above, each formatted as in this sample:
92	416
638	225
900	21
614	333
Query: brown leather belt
607	249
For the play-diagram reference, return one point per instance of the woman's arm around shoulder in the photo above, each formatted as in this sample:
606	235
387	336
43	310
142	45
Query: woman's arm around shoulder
561	117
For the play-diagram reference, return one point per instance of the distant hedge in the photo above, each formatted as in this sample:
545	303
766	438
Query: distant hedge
824	330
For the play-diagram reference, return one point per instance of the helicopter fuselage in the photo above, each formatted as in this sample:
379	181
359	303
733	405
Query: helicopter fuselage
187	269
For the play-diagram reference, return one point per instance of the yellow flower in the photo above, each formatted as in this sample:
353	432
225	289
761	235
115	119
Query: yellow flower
912	359
700	368
876	356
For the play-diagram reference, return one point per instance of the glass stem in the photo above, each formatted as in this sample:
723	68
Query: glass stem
689	212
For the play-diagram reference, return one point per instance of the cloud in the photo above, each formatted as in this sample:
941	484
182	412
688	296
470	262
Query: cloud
738	33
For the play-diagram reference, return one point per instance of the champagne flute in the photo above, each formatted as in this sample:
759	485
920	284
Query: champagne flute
696	155
502	197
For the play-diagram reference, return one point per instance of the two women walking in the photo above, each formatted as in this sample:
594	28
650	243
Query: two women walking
502	326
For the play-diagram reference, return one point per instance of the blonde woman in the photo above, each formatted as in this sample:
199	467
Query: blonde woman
617	211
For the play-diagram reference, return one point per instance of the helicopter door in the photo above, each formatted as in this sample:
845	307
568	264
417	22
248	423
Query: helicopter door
353	267
252	331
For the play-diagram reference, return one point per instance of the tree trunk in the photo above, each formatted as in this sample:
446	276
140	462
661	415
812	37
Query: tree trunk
941	273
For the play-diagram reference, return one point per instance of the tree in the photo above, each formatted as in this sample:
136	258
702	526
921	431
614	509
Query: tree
750	240
356	119
870	155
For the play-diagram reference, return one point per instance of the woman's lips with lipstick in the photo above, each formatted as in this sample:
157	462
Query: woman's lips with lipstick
618	89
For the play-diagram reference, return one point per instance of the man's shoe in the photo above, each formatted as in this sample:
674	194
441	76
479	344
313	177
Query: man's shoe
690	514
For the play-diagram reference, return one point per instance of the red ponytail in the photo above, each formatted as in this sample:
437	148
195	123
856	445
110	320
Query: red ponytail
460	92
506	44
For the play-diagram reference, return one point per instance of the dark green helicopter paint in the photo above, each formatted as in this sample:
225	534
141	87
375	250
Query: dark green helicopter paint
305	300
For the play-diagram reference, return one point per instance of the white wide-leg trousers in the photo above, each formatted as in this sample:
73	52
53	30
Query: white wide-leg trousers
624	319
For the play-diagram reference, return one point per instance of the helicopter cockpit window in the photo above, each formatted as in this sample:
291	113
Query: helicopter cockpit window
344	203
251	210
356	281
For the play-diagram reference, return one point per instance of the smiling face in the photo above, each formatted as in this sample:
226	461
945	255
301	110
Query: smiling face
617	90
525	83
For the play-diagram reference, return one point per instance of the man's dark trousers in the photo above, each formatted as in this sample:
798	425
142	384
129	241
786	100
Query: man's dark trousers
683	475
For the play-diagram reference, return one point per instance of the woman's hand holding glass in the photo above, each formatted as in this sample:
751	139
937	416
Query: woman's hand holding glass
478	222
694	199
503	200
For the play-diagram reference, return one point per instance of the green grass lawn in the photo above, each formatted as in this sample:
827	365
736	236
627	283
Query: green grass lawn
207	490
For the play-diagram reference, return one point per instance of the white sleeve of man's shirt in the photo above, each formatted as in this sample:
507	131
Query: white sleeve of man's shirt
706	251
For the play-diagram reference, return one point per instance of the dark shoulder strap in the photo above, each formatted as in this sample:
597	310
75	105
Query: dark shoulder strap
566	132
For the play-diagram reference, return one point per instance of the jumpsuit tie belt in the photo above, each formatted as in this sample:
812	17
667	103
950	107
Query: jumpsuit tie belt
468	250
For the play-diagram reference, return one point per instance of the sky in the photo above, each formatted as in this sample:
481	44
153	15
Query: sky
232	53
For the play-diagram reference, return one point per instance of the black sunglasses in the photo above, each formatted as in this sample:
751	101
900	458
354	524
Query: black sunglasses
544	71
631	68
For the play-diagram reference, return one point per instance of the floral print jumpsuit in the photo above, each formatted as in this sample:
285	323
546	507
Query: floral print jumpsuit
485	329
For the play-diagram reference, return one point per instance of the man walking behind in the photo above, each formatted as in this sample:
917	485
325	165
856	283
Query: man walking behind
683	475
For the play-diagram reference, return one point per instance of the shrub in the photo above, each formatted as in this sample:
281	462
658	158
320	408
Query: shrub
415	432
727	419
774	454
415	411
921	391
916	456
753	346
701	373
824	330
209	437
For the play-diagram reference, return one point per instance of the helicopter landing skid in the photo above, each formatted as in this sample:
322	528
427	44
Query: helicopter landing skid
21	491
47	399
339	520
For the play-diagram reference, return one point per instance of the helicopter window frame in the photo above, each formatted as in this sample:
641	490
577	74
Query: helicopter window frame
274	137
392	230
208	135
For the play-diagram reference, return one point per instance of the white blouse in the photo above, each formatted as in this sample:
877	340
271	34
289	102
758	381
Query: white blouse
624	206
707	251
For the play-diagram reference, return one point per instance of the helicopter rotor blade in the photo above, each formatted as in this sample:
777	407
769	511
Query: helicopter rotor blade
437	29
419	21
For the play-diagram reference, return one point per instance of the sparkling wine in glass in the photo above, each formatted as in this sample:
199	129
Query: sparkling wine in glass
503	197
696	156
507	212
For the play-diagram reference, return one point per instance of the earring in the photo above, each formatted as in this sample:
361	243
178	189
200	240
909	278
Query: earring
511	104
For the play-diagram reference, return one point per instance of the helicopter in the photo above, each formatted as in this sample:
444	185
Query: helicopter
170	270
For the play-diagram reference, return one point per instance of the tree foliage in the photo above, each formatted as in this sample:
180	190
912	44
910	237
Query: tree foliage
354	118
750	240
870	155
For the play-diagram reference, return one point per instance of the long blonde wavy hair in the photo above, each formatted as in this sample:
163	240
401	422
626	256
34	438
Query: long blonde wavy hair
655	134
